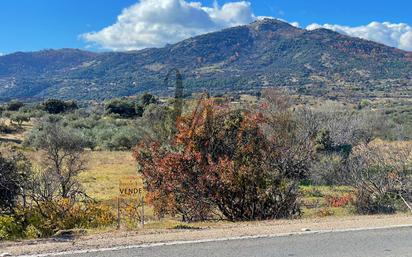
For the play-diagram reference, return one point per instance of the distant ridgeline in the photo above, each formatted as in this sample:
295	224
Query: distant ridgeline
266	53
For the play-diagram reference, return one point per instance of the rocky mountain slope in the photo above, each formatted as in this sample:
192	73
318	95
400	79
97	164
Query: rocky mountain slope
245	58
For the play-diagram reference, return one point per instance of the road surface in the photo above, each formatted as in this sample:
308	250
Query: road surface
395	242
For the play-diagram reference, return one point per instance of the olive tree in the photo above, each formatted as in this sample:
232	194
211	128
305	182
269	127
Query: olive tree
62	161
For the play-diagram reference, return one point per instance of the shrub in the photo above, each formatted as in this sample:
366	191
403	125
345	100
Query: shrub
339	201
247	166
186	227
14	172
324	212
367	203
10	228
56	106
31	232
382	175
88	138
14	105
125	108
19	118
49	217
124	138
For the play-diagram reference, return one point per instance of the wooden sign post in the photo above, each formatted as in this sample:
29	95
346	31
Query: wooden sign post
118	212
142	215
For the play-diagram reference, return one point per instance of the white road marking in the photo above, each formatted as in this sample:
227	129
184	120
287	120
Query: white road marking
120	248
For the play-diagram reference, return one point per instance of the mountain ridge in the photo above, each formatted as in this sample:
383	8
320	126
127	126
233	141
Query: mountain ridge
246	58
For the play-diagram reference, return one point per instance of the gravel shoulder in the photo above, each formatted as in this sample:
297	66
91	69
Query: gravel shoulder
214	231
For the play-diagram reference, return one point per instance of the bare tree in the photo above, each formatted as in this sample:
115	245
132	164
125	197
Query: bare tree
288	133
336	129
62	161
346	125
381	172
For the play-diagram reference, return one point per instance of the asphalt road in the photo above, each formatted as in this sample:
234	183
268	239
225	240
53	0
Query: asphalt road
372	243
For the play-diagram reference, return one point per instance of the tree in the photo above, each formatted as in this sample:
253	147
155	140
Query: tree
123	107
19	118
147	99
15	171
63	160
129	108
139	110
324	142
143	103
159	121
56	106
57	198
14	105
71	105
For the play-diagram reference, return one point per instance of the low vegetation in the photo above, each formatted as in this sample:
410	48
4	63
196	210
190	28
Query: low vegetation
272	156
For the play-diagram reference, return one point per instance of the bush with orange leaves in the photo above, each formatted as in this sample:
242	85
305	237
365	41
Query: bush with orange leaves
235	164
339	201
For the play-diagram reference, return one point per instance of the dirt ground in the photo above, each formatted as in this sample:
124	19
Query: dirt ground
212	231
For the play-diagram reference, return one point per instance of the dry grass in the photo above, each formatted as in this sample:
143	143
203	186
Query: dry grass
105	170
102	177
19	135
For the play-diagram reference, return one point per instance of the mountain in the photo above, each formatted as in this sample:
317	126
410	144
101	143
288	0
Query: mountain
246	58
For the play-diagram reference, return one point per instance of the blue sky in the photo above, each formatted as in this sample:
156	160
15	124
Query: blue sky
29	25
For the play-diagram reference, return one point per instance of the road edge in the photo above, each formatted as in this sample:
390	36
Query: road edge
223	239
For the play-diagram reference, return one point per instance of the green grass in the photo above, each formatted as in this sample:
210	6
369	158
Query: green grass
314	203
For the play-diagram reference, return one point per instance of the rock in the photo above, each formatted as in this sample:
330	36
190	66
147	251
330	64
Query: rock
306	229
5	255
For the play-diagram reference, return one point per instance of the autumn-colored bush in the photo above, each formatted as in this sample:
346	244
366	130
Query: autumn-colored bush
339	201
239	164
176	182
130	212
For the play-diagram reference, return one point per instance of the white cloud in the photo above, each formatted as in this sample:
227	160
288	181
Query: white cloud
406	41
295	24
391	34
154	23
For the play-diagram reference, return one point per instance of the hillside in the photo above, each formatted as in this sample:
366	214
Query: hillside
245	58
